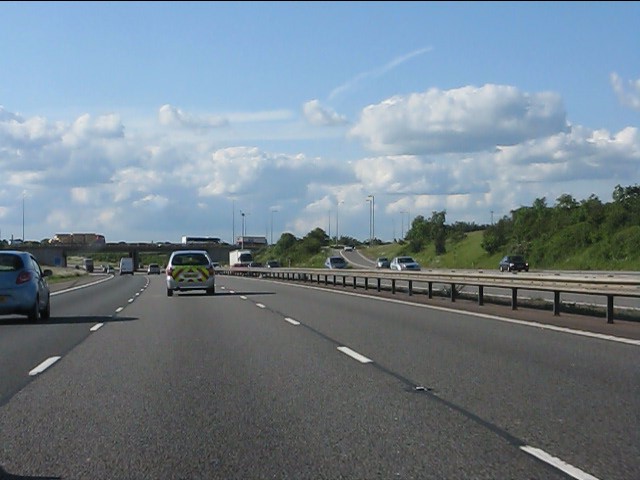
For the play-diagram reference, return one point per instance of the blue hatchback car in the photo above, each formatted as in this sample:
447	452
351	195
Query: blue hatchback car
23	286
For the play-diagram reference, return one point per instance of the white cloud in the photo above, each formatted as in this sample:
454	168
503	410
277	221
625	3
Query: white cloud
629	94
169	115
467	119
80	194
86	129
154	202
316	114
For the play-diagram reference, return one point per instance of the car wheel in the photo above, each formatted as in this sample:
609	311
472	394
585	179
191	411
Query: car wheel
211	291
169	292
34	313
46	312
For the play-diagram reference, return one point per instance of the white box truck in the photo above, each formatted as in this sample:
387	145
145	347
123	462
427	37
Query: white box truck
240	258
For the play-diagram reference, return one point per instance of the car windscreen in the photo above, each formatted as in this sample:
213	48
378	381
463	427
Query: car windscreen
10	262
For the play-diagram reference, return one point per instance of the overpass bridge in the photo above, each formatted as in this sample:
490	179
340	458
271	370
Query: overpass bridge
56	255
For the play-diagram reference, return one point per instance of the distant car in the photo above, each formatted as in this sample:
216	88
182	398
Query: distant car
23	286
335	262
513	263
404	263
383	262
349	248
153	269
272	264
190	270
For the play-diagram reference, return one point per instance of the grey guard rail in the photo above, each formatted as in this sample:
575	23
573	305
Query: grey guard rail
608	287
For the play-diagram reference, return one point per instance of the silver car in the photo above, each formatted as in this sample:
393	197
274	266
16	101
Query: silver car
23	286
404	263
335	262
153	269
190	270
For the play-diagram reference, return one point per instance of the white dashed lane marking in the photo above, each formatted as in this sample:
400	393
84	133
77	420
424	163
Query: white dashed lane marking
355	355
558	463
44	365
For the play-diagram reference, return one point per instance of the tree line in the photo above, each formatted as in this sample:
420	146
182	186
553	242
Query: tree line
607	233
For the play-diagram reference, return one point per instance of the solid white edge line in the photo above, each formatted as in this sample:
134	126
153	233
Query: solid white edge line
59	292
243	297
355	355
260	305
130	300
291	321
44	365
119	309
558	463
96	327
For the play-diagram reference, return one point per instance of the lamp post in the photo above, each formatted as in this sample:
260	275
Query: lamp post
242	237
373	217
23	216
369	202
402	220
337	225
272	212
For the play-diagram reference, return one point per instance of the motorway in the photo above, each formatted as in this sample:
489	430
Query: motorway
273	380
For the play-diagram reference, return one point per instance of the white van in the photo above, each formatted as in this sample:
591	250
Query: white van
126	265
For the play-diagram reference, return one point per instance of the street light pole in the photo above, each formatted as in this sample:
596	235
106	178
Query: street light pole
337	225
242	237
402	217
369	202
272	212
23	194
373	216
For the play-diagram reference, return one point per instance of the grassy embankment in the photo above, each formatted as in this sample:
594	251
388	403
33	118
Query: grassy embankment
469	254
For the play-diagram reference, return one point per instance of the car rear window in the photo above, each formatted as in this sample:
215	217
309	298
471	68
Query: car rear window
10	263
190	259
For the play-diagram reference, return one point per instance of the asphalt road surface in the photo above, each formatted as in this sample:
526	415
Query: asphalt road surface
271	380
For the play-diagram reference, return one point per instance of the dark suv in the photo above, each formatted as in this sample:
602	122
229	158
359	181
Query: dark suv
513	263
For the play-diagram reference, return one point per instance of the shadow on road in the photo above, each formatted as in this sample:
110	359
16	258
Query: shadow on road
66	321
4	475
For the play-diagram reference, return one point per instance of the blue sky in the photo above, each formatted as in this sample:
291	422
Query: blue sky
148	121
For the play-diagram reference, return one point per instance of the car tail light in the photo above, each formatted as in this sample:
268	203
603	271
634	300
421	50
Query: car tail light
24	277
